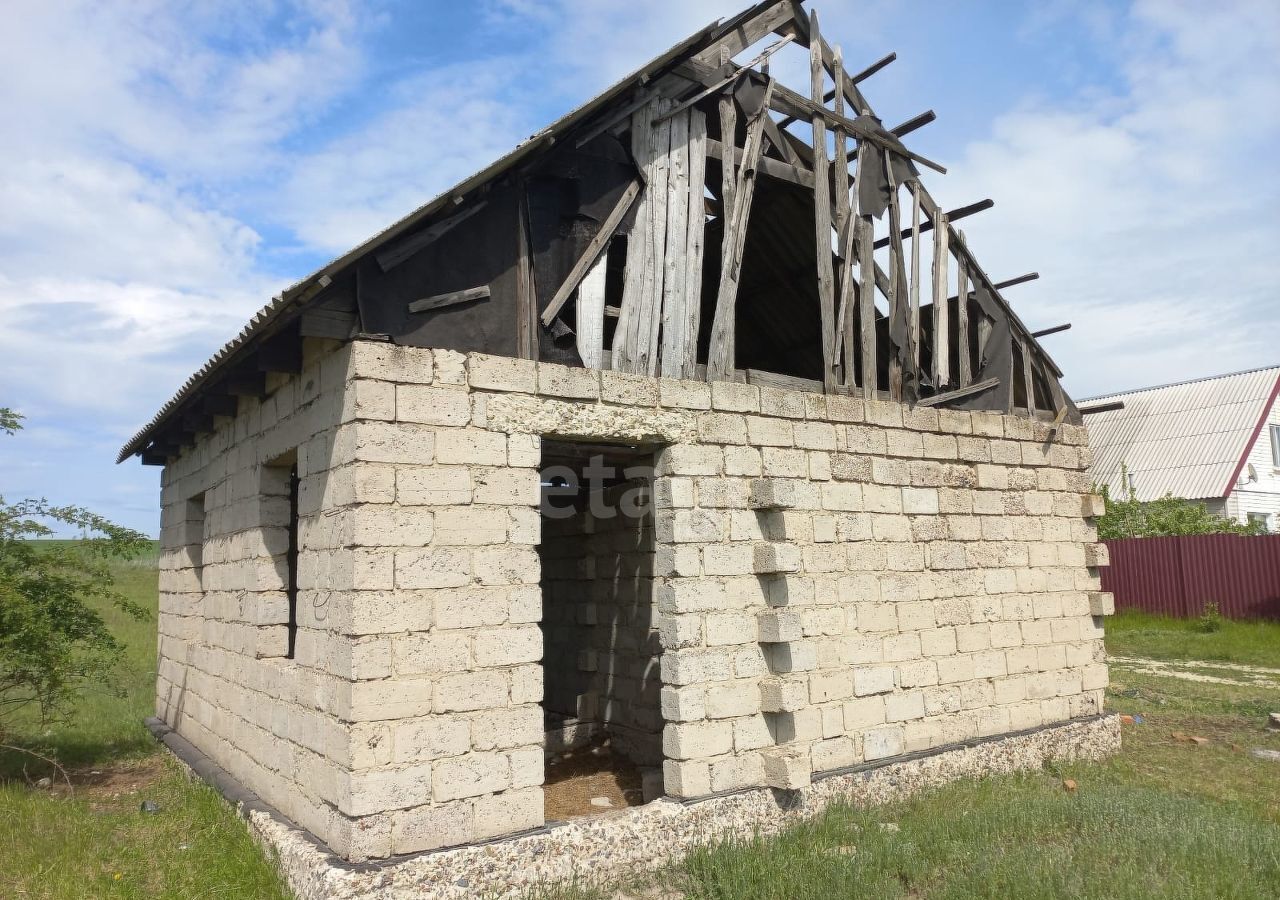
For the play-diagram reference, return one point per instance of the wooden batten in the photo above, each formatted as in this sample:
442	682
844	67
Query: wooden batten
591	312
595	250
635	341
674	262
721	354
897	278
913	351
962	321
526	294
822	209
453	298
941	331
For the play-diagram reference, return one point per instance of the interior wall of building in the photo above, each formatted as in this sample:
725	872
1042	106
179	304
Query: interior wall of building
601	656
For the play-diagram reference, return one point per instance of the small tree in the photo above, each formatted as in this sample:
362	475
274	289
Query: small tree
1128	517
52	639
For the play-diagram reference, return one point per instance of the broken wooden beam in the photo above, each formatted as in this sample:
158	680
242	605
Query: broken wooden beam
1054	330
913	123
791	103
952	216
774	168
399	252
594	248
715	86
720	354
821	205
959	393
1113	406
452	298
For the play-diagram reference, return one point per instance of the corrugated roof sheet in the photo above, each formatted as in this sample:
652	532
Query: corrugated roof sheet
1184	439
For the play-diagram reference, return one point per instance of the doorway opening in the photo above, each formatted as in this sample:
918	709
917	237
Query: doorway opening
601	651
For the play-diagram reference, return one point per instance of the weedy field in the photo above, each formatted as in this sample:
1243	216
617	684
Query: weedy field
92	839
1184	811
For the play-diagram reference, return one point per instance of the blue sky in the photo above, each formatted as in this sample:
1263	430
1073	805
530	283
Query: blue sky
169	166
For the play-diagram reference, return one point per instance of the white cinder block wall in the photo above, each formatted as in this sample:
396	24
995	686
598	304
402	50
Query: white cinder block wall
835	581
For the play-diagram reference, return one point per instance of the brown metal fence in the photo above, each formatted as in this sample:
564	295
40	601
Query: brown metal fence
1177	576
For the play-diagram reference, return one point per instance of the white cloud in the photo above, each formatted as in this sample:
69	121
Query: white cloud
1148	211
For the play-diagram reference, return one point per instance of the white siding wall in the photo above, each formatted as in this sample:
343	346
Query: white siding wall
1263	495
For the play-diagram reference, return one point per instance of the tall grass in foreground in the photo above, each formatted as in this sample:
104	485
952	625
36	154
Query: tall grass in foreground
1017	836
98	842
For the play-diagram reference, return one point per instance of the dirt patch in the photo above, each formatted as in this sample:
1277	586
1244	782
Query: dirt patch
576	777
105	786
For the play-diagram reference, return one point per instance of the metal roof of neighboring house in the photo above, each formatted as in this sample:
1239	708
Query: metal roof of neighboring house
1187	439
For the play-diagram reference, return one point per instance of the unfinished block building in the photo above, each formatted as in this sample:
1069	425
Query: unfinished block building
693	422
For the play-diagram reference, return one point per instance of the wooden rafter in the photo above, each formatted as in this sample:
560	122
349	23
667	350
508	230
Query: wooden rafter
720	356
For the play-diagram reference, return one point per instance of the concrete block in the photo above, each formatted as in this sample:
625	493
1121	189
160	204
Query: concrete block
873	680
779	626
786	769
431	827
768	558
795	656
501	373
507	813
773	493
783	694
470	775
696	740
879	743
1102	603
432	405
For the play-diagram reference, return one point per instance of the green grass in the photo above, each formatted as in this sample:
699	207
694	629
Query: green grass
1164	818
1134	633
96	842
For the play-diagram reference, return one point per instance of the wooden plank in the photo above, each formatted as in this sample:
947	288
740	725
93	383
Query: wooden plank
774	168
397	253
526	294
593	252
784	382
328	323
721	82
962	323
897	266
733	42
821	208
953	215
635	347
695	237
840	183
1028	375
913	355
959	393
720	357
941	341
867	306
790	103
728	161
642	98
871	69
913	123
590	313
674	314
1043	332
450	299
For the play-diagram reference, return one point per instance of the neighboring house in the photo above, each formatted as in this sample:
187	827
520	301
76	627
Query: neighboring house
848	542
1214	440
